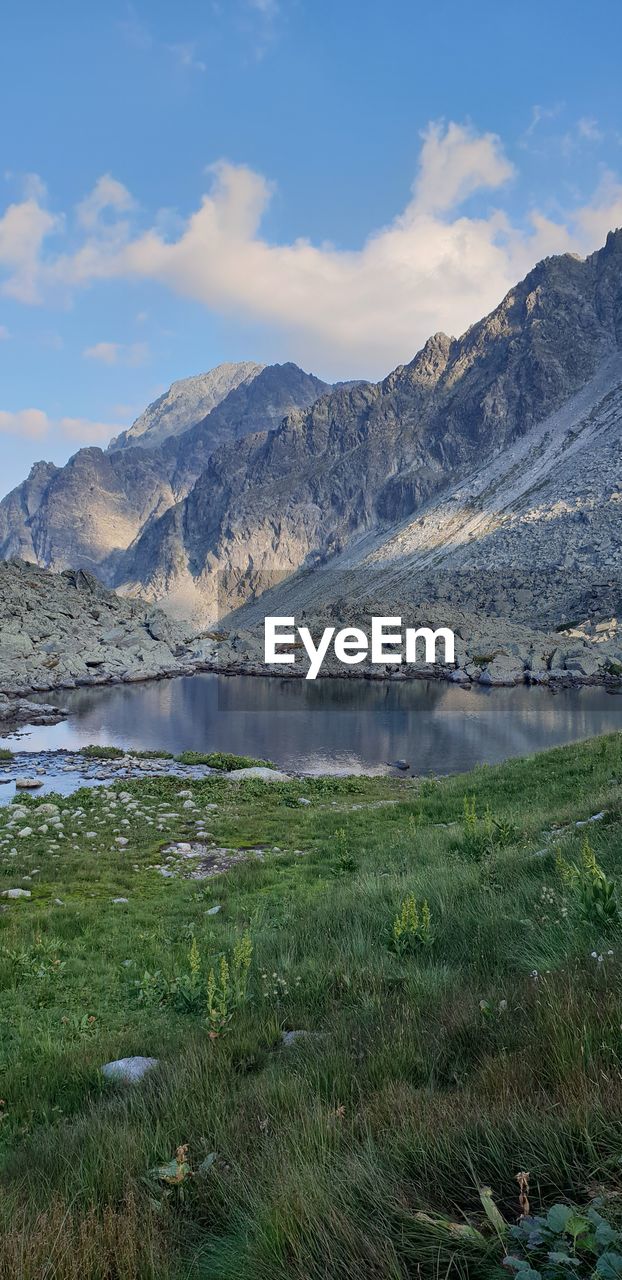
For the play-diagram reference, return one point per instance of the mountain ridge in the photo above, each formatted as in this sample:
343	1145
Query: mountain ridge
369	456
87	513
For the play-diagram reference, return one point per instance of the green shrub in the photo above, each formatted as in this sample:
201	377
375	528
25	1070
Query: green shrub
595	895
5	754
412	928
216	996
481	837
221	760
93	752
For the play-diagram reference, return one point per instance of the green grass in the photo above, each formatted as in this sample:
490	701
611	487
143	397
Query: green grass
5	754
433	1069
214	759
221	760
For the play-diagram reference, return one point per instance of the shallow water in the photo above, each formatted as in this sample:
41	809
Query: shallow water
331	724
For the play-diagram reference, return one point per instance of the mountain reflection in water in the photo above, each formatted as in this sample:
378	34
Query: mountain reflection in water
330	724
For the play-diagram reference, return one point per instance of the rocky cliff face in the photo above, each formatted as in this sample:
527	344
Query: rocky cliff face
362	460
62	630
185	403
86	514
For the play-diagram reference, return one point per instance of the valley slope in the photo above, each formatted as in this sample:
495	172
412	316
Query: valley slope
455	454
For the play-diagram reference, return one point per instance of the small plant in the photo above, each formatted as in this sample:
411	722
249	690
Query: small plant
93	752
483	659
412	928
480	837
216	997
5	754
595	895
428	787
275	987
227	986
346	862
566	1243
176	1176
240	969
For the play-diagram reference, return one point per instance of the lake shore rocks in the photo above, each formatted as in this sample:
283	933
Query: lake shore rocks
62	631
65	630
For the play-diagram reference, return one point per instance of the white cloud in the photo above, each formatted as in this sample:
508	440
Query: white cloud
84	431
455	162
112	353
35	424
107	195
584	132
356	311
539	114
23	229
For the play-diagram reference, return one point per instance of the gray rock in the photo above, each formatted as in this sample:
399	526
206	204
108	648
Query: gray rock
128	1070
257	771
16	893
289	1038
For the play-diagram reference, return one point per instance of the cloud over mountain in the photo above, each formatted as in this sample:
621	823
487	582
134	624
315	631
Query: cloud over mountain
436	265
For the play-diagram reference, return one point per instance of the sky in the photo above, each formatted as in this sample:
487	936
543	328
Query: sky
324	181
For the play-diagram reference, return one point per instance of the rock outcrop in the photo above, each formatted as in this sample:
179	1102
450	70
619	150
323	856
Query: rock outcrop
62	630
185	403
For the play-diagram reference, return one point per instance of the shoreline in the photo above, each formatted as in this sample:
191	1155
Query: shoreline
19	708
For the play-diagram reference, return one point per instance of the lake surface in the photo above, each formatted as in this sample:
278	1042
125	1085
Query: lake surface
331	724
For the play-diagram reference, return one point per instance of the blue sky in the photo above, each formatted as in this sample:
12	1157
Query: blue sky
327	182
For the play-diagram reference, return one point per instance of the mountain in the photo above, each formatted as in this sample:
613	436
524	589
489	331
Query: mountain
363	462
185	403
87	513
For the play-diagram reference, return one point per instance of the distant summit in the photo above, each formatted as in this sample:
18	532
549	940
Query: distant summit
86	514
185	403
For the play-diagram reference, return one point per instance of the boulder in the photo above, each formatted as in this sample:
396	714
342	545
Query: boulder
257	771
505	669
128	1070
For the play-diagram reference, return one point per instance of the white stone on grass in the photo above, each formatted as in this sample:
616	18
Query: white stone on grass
128	1070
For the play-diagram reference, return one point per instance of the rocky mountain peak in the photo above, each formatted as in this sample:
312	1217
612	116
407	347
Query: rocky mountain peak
185	403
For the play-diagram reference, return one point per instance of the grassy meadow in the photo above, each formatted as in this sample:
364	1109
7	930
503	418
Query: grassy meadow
453	951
